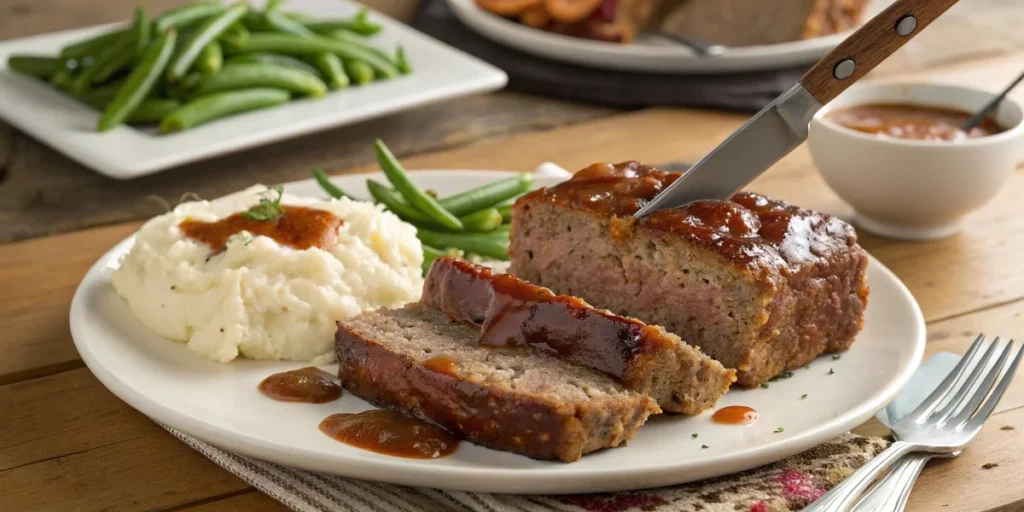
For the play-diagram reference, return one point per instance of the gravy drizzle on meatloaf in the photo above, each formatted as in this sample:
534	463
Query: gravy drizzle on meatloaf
514	313
520	401
758	284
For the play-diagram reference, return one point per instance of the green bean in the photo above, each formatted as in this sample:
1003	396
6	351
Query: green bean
186	15
487	195
222	104
485	245
35	65
392	200
360	72
152	110
183	89
349	37
402	62
142	30
205	34
281	23
92	46
253	21
332	68
60	79
245	76
502	229
110	61
272	58
415	195
505	209
234	37
100	97
329	187
272	5
295	45
210	59
360	24
481	221
140	82
301	17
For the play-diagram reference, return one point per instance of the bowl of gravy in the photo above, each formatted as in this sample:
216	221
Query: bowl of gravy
896	153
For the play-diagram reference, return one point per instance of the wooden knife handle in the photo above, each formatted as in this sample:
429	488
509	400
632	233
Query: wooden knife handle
879	38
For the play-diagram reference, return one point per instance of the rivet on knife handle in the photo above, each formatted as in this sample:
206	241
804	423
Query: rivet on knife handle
870	45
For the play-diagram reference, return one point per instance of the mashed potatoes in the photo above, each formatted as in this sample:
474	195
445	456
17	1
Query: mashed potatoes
260	299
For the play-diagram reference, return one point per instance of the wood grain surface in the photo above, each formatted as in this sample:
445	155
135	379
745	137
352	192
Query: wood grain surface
66	443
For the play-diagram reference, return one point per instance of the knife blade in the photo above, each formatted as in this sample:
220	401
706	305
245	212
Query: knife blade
782	126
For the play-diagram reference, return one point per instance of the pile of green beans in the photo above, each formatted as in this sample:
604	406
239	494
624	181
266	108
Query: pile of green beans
474	223
205	61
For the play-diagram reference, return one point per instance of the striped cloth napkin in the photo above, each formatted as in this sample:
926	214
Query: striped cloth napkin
786	485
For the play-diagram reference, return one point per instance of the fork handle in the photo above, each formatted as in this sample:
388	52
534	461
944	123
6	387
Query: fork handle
842	496
892	491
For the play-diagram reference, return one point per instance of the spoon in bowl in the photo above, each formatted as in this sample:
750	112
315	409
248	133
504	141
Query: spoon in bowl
989	107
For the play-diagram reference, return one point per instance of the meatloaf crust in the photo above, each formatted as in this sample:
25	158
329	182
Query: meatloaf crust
418	361
760	285
513	312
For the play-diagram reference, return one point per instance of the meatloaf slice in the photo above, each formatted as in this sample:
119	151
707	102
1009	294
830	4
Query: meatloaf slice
513	312
760	285
418	361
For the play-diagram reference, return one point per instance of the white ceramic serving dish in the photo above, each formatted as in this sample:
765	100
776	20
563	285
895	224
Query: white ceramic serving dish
440	72
220	403
650	53
915	189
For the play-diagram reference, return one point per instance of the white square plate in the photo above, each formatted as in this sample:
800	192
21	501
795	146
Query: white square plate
67	125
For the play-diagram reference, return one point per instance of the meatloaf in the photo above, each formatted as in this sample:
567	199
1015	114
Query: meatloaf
760	285
418	361
514	313
746	22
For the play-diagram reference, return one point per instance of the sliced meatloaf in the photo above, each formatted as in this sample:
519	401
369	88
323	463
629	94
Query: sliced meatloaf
514	313
760	285
418	361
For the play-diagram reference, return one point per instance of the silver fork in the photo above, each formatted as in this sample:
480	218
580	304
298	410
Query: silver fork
934	429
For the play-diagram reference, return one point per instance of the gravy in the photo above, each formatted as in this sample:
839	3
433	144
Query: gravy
735	415
299	227
390	433
309	385
913	122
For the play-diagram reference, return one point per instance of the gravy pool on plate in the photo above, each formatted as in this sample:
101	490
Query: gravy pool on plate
914	122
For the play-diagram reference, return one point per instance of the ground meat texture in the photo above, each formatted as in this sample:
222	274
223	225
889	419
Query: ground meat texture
417	361
760	285
513	312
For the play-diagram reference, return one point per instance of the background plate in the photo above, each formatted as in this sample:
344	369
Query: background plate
440	72
653	54
219	403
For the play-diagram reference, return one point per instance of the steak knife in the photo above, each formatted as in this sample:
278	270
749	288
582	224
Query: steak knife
782	126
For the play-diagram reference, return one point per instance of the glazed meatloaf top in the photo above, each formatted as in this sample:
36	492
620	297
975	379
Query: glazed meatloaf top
750	230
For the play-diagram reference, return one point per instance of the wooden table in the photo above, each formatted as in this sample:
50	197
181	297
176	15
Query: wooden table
66	443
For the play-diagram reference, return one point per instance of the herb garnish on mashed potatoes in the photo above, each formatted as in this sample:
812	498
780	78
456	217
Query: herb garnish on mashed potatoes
269	285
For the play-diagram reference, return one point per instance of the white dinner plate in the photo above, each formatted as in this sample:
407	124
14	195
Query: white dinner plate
439	72
220	404
649	53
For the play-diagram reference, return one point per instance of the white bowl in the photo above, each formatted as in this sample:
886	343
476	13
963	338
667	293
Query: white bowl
914	189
